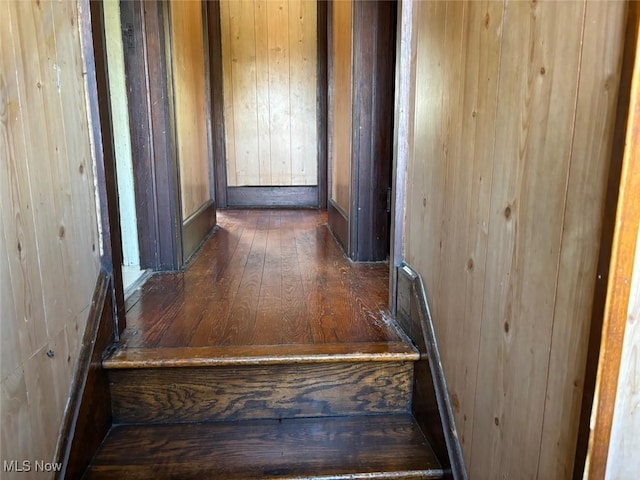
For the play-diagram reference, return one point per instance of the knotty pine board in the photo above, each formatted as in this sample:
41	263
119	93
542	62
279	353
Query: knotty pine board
514	111
49	235
269	60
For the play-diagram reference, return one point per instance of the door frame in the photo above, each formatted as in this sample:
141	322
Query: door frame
147	51
366	230
267	196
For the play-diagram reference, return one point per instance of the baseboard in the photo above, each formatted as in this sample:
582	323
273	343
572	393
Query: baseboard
87	418
339	225
196	229
273	197
431	405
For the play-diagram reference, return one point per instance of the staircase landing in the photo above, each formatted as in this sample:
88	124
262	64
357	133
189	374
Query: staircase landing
271	284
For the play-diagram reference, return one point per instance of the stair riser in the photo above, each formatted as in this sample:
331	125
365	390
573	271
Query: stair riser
163	395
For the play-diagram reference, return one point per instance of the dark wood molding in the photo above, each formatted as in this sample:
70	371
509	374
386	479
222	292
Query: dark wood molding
145	28
95	58
294	197
322	103
431	404
606	239
217	104
374	37
164	143
330	100
338	224
197	228
87	417
402	138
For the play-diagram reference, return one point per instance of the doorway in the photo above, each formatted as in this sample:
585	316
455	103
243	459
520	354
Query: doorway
269	57
132	273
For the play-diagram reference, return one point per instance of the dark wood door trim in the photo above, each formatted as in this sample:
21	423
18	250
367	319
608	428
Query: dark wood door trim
374	37
322	101
95	58
156	182
217	104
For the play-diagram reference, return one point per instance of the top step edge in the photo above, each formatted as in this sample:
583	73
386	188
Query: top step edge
176	357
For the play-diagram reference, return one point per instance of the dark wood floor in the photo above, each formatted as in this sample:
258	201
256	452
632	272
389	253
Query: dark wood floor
265	278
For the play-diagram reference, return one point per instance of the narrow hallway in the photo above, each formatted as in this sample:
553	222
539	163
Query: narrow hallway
266	277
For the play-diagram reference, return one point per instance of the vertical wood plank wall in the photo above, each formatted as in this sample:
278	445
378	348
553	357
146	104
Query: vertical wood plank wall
340	104
49	252
514	113
187	38
269	63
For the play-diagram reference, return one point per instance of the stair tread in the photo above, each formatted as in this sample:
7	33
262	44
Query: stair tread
372	447
173	357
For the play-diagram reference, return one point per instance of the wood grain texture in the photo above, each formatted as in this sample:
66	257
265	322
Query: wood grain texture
216	300
87	418
504	207
597	92
617	355
155	167
49	246
269	52
164	395
128	357
190	105
340	102
376	447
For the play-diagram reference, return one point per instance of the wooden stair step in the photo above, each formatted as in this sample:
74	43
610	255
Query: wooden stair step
232	355
371	447
208	384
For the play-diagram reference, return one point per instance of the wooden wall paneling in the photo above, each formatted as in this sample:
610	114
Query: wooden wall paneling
618	299
472	76
38	93
340	95
217	104
263	102
49	241
23	275
279	91
606	241
243	80
529	182
227	87
599	77
190	106
303	41
79	163
454	189
425	168
322	101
